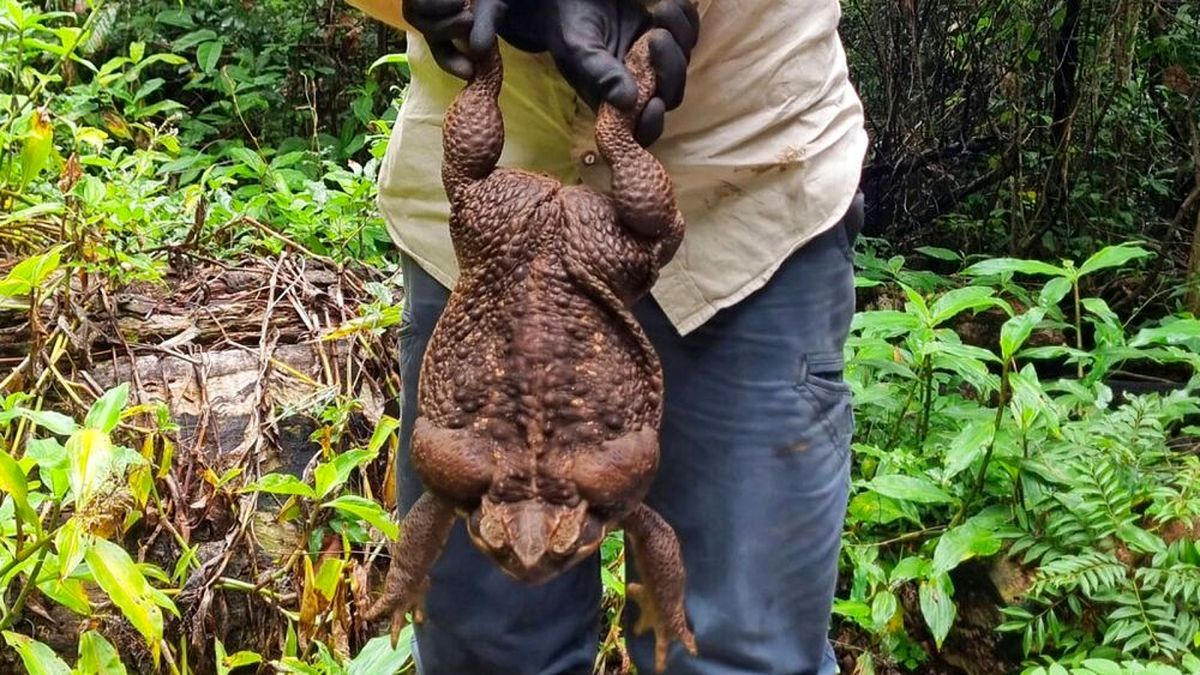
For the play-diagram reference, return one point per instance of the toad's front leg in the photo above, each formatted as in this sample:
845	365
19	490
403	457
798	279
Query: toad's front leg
423	535
660	593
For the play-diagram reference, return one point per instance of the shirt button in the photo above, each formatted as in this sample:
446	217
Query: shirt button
589	158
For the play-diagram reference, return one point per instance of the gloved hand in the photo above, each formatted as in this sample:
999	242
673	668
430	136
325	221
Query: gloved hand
443	22
589	39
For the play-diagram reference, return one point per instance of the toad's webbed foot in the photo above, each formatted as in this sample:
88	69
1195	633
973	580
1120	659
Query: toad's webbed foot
422	538
660	594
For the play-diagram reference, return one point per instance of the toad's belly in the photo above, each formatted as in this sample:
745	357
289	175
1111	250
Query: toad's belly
540	365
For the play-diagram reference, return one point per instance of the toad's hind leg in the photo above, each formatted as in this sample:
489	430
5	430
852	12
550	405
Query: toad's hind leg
660	594
423	535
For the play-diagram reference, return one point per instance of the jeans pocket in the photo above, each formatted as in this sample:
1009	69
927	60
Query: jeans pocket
820	382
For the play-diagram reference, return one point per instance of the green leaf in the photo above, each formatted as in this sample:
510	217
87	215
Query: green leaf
54	422
1140	540
208	55
885	323
1014	265
14	483
330	476
38	658
962	543
1054	291
940	253
912	567
378	657
389	59
966	447
175	17
937	607
1103	667
92	459
1173	332
910	488
960	300
281	484
98	656
105	413
383	431
872	507
367	510
30	273
1016	331
39	142
1112	256
226	663
883	607
115	572
248	158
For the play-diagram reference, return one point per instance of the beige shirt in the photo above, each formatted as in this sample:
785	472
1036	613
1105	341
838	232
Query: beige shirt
765	151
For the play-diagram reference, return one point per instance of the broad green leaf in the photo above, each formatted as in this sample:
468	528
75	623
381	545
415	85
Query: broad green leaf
38	658
71	542
885	323
1054	291
281	484
227	663
937	607
331	475
248	158
328	576
940	253
137	51
1016	331
30	273
912	567
388	59
1103	667
1173	332
872	507
1112	256
383	431
368	510
14	483
961	543
38	144
883	608
1013	265
910	488
91	456
98	656
378	657
69	593
966	447
959	300
180	18
105	413
208	55
54	422
117	575
1140	540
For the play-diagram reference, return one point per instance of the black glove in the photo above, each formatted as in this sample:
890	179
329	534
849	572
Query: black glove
589	39
443	22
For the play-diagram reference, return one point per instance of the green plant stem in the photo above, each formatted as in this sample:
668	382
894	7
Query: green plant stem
25	554
1078	324
19	603
981	477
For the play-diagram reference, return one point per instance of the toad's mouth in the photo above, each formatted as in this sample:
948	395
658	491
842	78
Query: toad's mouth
534	540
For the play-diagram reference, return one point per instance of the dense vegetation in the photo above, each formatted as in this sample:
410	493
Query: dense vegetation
1024	362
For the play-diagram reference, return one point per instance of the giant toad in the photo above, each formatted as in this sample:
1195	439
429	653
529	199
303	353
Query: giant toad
540	397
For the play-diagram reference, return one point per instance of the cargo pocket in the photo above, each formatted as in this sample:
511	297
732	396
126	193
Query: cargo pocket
819	381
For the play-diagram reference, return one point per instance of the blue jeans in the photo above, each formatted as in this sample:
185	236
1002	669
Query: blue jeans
754	479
